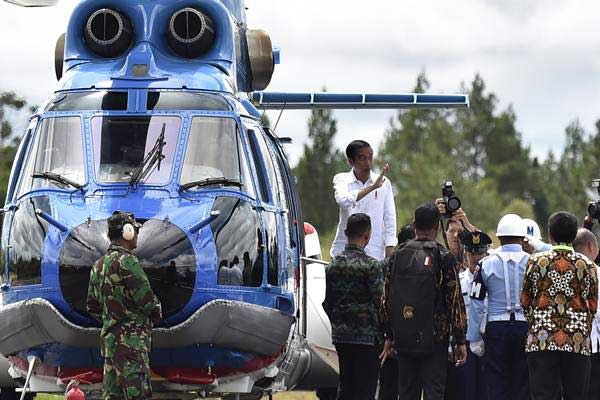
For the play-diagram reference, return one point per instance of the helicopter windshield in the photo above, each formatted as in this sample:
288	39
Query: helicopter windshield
57	150
121	143
213	153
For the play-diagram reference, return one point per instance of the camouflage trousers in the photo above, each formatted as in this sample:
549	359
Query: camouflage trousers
125	380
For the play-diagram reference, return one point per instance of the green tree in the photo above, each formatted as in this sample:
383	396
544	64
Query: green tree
318	164
8	139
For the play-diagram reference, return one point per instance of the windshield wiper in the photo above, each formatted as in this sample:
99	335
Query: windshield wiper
211	181
51	176
154	157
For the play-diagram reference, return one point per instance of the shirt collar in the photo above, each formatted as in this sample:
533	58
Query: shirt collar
355	179
510	247
115	247
354	248
562	247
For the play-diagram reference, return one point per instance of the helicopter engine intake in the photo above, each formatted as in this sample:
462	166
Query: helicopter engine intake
191	33
108	33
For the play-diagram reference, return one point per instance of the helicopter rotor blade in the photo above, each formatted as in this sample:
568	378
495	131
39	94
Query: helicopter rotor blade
33	3
356	101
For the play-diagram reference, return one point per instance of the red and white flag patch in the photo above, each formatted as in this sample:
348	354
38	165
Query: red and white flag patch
428	261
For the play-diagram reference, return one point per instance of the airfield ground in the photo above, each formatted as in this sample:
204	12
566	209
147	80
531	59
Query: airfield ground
279	396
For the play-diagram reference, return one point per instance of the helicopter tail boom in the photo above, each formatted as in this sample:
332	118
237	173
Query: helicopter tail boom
356	101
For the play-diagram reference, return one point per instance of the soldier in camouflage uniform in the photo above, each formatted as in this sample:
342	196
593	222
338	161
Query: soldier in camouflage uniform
354	288
120	295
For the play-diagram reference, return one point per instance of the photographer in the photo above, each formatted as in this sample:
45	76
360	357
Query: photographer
450	207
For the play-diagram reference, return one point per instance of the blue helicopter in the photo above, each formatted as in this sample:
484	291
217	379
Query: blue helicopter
157	113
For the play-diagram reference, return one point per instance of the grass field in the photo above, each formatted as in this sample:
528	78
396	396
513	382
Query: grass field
295	396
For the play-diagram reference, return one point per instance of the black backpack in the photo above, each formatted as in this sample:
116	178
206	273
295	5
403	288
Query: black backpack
414	282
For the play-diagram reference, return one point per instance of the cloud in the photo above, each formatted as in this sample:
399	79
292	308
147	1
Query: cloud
543	59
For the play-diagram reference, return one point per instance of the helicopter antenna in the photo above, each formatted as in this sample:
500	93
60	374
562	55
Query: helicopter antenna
278	118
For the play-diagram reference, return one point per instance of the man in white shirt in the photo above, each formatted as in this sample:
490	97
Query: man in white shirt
362	191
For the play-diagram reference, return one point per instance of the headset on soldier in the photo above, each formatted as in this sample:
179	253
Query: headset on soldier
127	226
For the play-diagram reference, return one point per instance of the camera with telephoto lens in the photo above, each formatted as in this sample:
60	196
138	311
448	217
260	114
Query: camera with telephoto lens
594	206
451	200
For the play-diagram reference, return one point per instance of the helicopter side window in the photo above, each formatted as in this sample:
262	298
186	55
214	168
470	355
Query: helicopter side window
18	165
259	146
121	145
213	154
262	179
57	149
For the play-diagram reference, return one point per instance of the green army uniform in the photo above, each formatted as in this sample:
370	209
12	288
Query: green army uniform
120	295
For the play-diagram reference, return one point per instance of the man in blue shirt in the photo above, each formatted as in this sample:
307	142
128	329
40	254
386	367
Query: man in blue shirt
500	278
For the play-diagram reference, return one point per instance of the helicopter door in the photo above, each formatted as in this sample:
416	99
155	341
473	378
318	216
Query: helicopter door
6	215
271	206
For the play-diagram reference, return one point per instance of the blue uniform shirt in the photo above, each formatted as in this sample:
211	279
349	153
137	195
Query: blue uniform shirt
496	273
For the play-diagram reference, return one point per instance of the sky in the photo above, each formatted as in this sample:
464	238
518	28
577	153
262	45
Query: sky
541	57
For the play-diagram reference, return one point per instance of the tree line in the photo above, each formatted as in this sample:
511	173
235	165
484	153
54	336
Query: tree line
479	149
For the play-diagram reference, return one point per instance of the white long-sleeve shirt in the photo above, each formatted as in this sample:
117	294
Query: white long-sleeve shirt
379	205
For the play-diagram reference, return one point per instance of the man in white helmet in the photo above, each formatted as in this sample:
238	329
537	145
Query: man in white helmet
533	238
499	277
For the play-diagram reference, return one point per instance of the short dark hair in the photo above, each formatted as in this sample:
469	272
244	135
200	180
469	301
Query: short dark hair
563	226
427	216
407	232
358	224
354	147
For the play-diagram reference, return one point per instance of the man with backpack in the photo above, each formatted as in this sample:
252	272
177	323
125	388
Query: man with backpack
424	308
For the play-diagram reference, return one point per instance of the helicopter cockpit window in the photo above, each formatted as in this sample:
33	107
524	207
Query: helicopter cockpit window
213	155
57	151
100	100
186	101
122	143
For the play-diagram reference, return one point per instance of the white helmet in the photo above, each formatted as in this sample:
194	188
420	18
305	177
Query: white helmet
532	230
511	225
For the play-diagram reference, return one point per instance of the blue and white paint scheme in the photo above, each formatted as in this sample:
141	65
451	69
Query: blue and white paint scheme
156	113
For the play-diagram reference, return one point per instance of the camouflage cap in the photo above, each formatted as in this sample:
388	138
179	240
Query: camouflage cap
120	218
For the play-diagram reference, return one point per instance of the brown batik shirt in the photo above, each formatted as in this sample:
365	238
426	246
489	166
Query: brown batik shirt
559	298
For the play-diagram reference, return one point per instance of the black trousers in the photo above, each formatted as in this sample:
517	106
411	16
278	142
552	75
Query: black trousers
594	392
554	372
505	360
359	371
423	374
388	380
468	381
